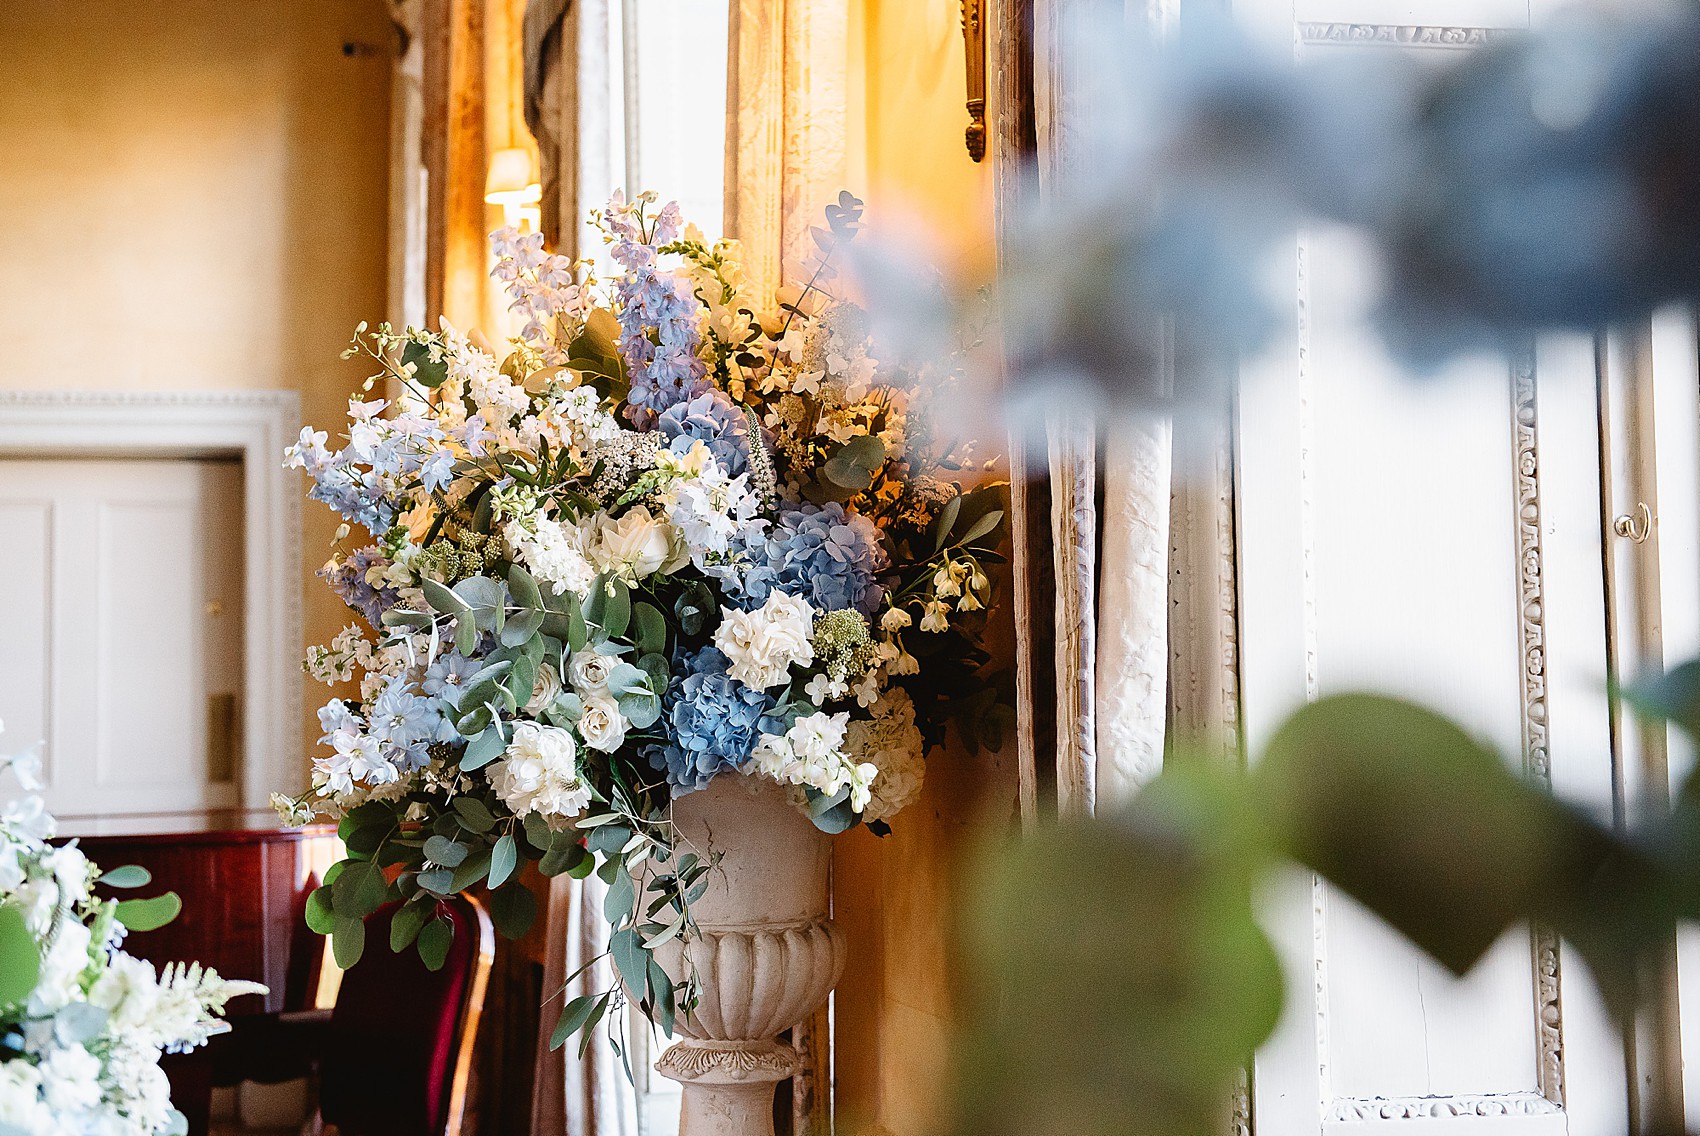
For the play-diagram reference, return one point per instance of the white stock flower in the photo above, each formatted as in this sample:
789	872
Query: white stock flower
544	690
127	990
553	552
762	645
540	773
70	1079
62	967
636	545
602	726
21	1106
811	754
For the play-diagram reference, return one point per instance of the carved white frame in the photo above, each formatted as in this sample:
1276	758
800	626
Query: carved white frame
1548	1101
253	426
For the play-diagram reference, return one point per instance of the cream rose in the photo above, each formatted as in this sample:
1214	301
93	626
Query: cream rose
543	691
588	671
602	726
636	545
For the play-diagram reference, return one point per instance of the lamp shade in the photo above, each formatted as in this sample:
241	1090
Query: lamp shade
510	180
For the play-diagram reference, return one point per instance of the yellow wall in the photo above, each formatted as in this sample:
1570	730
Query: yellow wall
896	897
193	195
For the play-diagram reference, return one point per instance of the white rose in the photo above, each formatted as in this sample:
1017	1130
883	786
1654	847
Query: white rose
602	726
635	546
543	691
588	671
762	645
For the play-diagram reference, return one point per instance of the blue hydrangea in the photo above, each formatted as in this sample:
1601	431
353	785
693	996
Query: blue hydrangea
713	419
714	721
348	580
824	553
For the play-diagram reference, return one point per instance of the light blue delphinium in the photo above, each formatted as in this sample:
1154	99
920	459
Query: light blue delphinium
824	553
403	723
348	580
664	368
446	677
713	719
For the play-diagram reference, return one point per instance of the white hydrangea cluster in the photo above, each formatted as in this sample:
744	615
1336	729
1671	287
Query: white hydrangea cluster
539	773
892	743
811	754
762	645
94	1026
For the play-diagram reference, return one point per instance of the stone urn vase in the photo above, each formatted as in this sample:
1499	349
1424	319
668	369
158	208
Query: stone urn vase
766	953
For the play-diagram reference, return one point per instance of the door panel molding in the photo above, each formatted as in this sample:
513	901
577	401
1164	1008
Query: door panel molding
253	426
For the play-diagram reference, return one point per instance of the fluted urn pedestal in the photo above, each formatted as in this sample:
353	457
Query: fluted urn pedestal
767	956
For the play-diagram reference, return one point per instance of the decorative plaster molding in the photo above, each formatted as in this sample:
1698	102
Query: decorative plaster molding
254	426
1428	1108
1401	35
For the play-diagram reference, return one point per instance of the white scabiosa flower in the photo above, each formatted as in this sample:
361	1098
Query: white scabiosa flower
762	645
540	773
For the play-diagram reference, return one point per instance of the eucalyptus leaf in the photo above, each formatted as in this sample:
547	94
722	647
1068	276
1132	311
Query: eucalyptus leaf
321	917
524	588
472	870
855	463
127	876
484	748
406	924
617	904
441	850
427	372
474	816
630	959
348	941
982	526
649	628
434	940
573	1018
437	881
944	522
20	959
148	914
504	858
444	600
513	909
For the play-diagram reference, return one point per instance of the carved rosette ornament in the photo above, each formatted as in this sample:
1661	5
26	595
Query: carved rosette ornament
766	955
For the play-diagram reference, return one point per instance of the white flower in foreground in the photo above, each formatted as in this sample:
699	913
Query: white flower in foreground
895	619
21	1106
811	753
602	726
70	1080
762	645
62	967
540	773
892	743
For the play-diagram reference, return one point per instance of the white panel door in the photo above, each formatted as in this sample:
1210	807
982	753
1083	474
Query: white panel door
121	630
1440	538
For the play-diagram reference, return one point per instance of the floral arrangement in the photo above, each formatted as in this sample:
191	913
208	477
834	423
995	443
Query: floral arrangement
82	1024
662	536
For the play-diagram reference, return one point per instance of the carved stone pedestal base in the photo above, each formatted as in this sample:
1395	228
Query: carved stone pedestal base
728	1085
764	951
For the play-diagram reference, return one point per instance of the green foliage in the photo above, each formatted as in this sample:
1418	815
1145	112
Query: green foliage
127	876
148	914
20	958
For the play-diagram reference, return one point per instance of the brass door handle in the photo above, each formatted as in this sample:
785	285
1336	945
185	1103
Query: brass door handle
1637	526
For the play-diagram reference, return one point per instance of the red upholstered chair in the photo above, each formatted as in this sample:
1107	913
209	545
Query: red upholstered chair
395	1053
398	1052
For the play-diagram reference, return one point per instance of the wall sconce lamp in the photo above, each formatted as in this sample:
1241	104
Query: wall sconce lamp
974	50
511	184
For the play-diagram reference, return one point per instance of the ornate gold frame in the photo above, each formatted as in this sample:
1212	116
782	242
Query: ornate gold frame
974	52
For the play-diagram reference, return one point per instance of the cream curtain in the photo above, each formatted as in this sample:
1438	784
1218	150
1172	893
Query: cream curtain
787	127
1111	561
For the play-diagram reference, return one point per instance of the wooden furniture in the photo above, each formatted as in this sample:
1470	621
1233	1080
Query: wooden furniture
244	882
